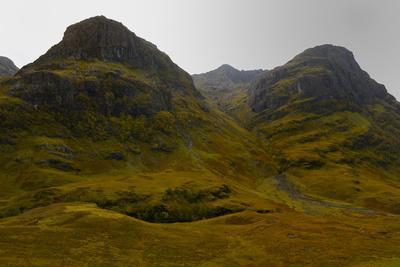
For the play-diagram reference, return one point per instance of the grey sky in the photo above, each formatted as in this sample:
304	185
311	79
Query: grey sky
200	35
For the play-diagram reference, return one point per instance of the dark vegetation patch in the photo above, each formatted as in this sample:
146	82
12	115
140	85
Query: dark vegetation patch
58	164
58	150
175	205
181	212
115	156
376	147
307	164
185	205
263	211
161	146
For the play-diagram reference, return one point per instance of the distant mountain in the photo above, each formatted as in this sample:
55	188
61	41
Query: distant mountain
227	87
7	67
225	77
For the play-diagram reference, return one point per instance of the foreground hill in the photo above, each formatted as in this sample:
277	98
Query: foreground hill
109	155
7	67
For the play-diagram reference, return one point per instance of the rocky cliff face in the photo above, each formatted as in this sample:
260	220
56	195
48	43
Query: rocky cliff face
104	39
100	69
7	67
324	75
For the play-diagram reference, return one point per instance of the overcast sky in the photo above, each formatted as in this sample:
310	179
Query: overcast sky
200	35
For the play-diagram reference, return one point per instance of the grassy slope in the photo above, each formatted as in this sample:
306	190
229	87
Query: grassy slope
187	162
82	233
318	159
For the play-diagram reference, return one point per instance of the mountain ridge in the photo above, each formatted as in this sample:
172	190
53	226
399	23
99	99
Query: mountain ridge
225	77
7	67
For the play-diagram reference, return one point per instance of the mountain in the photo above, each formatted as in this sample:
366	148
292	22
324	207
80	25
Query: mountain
140	71
225	77
335	128
105	117
110	155
324	73
7	67
227	87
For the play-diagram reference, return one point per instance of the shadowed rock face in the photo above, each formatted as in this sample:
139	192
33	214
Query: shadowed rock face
324	73
7	67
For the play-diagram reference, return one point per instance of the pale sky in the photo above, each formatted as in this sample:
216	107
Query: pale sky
200	35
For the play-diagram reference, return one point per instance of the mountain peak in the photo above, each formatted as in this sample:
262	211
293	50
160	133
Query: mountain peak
335	54
100	38
225	77
226	67
323	73
327	49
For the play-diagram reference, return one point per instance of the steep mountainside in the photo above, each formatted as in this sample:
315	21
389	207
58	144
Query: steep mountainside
7	67
335	128
105	117
228	88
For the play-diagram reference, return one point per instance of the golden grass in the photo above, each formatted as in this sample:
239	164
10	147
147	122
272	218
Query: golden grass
81	234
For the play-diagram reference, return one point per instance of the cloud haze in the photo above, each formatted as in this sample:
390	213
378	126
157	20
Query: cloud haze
201	35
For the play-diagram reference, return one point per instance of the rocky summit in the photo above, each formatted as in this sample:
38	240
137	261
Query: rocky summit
324	73
104	39
101	69
111	155
7	67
